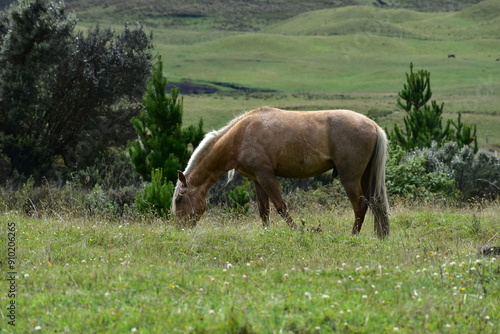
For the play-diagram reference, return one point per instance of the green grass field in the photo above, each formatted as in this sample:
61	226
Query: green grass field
358	52
81	272
230	275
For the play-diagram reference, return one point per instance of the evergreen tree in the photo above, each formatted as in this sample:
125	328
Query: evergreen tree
423	122
162	141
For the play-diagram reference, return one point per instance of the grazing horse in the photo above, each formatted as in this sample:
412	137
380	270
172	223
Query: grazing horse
269	142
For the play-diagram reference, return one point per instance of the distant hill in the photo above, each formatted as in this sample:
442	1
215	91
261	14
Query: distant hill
235	15
478	21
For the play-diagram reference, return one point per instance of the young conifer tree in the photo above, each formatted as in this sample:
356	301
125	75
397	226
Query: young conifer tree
163	143
423	122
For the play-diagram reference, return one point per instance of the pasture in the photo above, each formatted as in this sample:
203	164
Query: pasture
87	271
95	274
351	57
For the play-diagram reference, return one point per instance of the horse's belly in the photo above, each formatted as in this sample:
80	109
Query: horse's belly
302	167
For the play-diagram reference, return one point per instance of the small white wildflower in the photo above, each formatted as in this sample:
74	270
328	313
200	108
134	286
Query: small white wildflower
325	296
364	296
26	275
229	266
285	276
395	329
211	312
133	330
308	295
38	328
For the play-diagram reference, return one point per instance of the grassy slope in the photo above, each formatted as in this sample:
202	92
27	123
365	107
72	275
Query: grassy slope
96	276
355	51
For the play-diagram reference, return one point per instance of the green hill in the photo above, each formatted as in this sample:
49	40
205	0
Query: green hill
479	21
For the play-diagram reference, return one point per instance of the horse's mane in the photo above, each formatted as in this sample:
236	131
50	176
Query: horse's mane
207	142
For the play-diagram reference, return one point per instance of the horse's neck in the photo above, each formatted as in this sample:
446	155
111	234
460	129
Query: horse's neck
217	160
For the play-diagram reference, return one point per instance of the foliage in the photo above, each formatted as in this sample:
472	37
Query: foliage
65	97
446	171
473	175
423	122
240	198
162	141
407	177
157	195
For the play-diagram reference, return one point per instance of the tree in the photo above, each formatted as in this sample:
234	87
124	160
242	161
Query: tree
163	143
424	122
65	97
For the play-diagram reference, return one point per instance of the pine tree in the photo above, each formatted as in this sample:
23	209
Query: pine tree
162	141
423	122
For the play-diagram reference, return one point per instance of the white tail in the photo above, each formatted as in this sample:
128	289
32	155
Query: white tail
378	194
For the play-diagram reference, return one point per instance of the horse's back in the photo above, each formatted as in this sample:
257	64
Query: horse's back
304	143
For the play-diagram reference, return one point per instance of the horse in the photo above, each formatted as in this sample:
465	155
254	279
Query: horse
268	142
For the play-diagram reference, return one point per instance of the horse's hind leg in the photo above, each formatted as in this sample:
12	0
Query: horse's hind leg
263	202
270	186
359	203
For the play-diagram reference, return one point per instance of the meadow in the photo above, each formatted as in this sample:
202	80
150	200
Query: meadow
82	270
349	57
95	274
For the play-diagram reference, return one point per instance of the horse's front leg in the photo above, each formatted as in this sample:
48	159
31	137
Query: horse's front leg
270	186
263	202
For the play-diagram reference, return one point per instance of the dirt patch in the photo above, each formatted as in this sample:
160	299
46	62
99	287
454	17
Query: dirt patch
188	87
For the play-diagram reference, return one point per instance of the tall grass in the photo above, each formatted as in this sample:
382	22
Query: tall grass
229	274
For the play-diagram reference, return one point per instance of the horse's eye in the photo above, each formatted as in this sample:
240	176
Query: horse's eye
178	199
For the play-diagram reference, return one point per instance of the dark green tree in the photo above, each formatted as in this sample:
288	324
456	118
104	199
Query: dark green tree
423	122
163	143
65	97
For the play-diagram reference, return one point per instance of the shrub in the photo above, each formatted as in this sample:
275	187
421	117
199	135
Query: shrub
407	176
474	175
240	198
157	195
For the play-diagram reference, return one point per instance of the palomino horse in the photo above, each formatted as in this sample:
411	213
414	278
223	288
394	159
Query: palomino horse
269	142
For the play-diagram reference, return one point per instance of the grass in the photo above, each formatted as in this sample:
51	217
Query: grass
361	52
228	274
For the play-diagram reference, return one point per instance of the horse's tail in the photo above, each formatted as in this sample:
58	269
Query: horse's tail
377	194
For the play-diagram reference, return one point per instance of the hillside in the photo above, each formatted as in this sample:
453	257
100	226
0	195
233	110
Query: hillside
479	21
321	48
229	14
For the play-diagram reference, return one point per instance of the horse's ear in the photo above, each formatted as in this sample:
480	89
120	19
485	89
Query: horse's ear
182	178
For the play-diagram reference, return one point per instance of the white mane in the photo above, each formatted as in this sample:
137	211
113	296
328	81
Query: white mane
206	143
198	153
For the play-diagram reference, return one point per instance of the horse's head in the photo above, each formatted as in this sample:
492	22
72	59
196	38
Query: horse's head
187	205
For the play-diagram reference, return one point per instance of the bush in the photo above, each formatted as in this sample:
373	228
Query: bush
474	175
446	170
408	177
240	198
157	195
